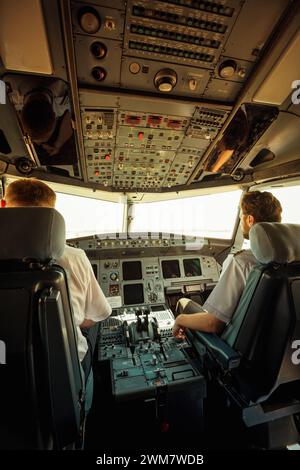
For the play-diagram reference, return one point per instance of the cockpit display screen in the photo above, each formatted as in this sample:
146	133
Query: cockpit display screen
192	267
170	268
132	270
133	294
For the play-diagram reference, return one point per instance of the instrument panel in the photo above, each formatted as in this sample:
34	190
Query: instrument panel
139	271
143	281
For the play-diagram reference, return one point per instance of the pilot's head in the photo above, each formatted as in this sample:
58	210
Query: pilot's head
259	207
38	117
27	192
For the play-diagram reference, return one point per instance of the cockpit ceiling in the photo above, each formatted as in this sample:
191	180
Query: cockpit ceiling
153	95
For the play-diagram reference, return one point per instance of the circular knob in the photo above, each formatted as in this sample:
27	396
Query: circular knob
89	20
152	297
238	175
99	73
24	165
165	80
227	68
114	276
98	49
106	264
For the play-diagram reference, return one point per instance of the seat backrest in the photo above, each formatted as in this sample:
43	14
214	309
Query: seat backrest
267	320
42	387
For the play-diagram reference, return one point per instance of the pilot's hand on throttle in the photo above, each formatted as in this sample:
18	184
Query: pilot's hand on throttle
178	331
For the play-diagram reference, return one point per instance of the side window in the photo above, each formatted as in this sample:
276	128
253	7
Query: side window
289	198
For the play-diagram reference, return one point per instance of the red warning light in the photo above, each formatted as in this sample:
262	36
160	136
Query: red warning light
174	123
154	120
107	157
140	135
133	120
97	173
165	427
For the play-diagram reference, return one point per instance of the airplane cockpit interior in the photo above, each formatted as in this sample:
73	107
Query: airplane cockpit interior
150	120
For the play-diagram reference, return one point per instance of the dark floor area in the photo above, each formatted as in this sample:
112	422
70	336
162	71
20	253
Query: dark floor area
178	422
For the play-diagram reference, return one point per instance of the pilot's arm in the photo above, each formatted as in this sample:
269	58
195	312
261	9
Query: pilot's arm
222	302
97	307
88	301
202	321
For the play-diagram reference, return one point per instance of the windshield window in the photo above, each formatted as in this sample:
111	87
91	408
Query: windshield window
212	215
88	216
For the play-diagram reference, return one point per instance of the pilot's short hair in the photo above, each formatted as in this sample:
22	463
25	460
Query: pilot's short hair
38	117
29	192
263	206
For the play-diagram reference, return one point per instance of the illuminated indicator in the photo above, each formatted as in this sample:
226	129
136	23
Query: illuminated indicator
174	123
133	120
134	67
140	135
154	120
107	157
172	51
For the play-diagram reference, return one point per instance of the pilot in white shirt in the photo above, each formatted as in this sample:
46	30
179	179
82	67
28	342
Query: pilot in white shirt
89	304
220	306
88	300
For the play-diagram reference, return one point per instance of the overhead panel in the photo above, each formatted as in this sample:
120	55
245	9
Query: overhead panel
133	151
99	130
177	33
93	67
165	47
136	53
176	44
98	33
147	75
157	82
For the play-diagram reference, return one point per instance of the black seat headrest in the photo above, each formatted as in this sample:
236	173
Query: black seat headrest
31	233
273	242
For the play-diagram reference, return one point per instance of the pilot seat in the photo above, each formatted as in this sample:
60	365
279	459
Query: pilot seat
255	361
42	384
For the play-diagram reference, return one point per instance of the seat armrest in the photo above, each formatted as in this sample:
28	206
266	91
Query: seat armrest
227	357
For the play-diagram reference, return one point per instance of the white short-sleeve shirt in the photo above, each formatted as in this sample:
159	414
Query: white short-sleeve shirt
225	297
87	299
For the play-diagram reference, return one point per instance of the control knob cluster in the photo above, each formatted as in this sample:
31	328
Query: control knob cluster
152	296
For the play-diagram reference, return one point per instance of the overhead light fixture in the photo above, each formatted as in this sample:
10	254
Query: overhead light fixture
227	69
165	80
264	155
278	84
